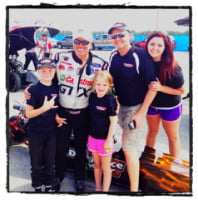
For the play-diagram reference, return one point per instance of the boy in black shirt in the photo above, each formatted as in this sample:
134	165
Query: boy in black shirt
41	128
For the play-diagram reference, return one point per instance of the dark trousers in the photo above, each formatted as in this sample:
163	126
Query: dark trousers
42	148
78	124
30	56
46	55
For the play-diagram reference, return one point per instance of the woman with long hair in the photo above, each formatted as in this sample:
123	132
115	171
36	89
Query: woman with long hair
166	107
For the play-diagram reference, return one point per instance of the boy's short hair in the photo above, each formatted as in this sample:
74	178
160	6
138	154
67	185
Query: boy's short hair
46	62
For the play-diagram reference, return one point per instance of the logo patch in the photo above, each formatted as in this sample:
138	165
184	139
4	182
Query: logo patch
66	63
66	58
94	70
70	68
96	64
54	95
67	79
85	82
117	166
61	67
129	65
101	108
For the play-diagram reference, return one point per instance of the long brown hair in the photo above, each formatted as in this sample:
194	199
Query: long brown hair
167	62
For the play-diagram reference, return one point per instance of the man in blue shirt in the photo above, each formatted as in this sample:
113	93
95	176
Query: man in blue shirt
132	71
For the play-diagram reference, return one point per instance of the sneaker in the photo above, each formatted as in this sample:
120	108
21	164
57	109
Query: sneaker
38	189
79	185
49	189
57	184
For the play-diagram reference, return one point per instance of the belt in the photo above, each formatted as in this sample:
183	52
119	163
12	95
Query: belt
73	111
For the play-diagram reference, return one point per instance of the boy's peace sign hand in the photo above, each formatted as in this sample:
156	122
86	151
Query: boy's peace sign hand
47	105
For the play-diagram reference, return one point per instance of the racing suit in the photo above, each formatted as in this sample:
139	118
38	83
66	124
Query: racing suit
74	83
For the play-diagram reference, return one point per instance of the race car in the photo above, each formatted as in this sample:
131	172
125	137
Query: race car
159	172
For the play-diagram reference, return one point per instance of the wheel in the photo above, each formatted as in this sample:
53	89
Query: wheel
10	138
14	82
137	45
60	46
93	47
18	65
15	134
11	134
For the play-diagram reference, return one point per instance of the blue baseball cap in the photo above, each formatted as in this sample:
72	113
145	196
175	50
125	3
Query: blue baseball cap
46	62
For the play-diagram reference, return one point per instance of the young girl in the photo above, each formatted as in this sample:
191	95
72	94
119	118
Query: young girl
103	120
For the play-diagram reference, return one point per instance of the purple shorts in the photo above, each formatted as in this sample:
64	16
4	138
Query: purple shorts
171	114
96	145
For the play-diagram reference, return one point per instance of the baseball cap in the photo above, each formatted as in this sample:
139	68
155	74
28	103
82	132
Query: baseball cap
46	62
81	33
120	26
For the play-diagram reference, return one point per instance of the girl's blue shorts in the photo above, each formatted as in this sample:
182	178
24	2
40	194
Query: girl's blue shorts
171	114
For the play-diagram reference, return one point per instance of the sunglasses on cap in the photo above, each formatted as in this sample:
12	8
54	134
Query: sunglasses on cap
83	42
119	35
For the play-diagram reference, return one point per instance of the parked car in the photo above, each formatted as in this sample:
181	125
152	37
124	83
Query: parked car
141	44
102	41
173	41
53	41
66	42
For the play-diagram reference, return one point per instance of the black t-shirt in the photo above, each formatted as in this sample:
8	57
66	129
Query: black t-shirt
176	81
131	76
46	121
100	110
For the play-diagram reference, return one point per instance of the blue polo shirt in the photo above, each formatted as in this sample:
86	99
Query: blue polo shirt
131	76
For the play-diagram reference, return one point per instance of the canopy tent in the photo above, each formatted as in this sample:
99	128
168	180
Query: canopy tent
183	22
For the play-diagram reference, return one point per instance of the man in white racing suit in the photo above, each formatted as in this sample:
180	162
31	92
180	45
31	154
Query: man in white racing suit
75	72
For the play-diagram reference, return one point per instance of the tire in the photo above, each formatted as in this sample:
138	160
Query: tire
14	82
59	46
93	47
15	135
10	139
10	133
19	65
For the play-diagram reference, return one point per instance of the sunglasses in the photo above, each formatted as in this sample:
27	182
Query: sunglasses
83	42
119	35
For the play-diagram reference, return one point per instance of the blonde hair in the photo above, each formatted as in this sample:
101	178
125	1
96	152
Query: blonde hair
107	78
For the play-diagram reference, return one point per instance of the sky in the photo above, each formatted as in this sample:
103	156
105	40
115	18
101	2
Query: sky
138	19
